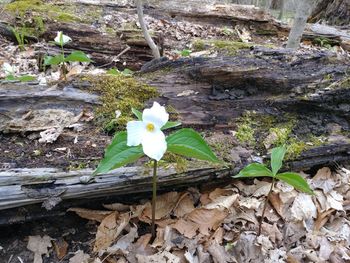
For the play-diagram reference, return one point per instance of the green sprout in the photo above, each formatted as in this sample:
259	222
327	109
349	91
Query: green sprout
259	170
61	59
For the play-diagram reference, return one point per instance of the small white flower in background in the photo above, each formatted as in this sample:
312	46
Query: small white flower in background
8	68
62	39
148	131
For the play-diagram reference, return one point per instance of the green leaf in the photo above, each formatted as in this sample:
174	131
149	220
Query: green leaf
277	156
137	113
77	56
127	72
113	71
254	170
49	60
171	124
189	143
118	154
26	78
10	77
296	181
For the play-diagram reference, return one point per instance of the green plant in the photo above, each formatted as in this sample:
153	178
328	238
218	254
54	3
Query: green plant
227	31
184	52
145	137
126	72
322	42
10	74
19	33
259	170
61	59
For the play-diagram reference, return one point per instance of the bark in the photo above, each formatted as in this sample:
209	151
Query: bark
148	38
334	12
303	11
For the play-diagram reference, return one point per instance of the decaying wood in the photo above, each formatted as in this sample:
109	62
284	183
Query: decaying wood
334	12
206	92
19	187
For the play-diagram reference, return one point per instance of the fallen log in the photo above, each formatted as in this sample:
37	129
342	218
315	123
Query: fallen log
303	93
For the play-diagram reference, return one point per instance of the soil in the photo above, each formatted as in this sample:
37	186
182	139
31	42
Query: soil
17	151
77	232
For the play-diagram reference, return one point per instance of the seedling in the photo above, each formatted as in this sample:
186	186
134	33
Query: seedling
19	34
145	137
184	52
259	170
126	72
10	74
61	59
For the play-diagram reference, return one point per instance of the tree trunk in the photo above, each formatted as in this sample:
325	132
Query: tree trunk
148	38
334	12
303	11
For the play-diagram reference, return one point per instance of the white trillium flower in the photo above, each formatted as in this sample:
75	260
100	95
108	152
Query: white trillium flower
8	68
62	39
148	132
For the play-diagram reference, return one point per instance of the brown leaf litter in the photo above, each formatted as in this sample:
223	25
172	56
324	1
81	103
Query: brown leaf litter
221	225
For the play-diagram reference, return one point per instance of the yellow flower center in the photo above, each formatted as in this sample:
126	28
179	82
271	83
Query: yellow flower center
150	127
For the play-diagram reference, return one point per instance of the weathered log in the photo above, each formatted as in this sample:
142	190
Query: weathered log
334	12
206	92
20	187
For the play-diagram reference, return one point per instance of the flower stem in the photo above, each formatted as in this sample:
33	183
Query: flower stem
265	205
154	198
63	68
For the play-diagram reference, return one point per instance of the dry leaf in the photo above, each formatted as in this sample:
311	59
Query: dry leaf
322	219
184	205
124	242
79	257
277	204
117	207
96	215
219	253
39	245
303	208
222	202
219	192
164	205
207	219
249	202
323	180
160	257
186	228
109	230
61	247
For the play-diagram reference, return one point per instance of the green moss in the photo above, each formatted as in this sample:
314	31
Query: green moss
245	134
266	32
119	93
294	149
229	46
22	7
198	45
110	31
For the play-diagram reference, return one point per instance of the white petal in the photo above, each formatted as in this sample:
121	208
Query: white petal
58	37
154	144
7	68
65	38
135	131
156	115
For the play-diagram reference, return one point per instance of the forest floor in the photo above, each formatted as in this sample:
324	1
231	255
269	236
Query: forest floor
196	225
